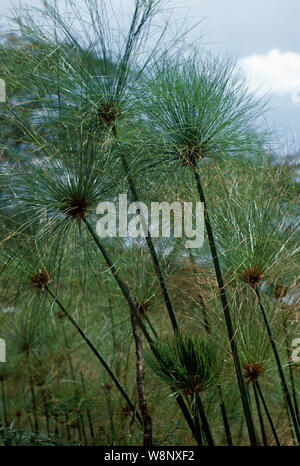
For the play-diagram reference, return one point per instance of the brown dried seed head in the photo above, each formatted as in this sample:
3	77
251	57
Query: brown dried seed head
253	371
189	154
76	206
40	280
27	347
253	276
108	113
2	378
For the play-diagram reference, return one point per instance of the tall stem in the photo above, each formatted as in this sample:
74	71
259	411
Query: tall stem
279	366
227	315
205	423
88	412
151	248
267	413
140	381
260	416
195	412
95	351
225	418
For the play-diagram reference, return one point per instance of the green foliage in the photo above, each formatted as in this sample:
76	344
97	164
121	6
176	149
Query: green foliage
186	364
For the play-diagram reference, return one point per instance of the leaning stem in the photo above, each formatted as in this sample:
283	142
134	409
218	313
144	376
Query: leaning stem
267	413
140	382
225	417
227	315
134	309
204	421
260	416
195	412
95	351
279	366
151	248
88	412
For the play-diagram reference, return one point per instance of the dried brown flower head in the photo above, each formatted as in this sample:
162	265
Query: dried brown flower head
2	378
253	276
108	113
27	347
189	154
76	206
40	280
253	371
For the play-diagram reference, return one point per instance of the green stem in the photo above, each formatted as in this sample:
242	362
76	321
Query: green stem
204	420
195	412
238	368
280	370
267	413
225	420
94	350
260	416
151	248
88	412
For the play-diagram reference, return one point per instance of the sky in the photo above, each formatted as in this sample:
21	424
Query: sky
262	35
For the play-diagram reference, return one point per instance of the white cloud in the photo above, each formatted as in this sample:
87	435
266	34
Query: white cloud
276	72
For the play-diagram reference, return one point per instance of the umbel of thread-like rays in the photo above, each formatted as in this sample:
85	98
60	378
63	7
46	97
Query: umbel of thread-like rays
90	70
30	275
254	350
263	242
188	365
263	245
200	110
